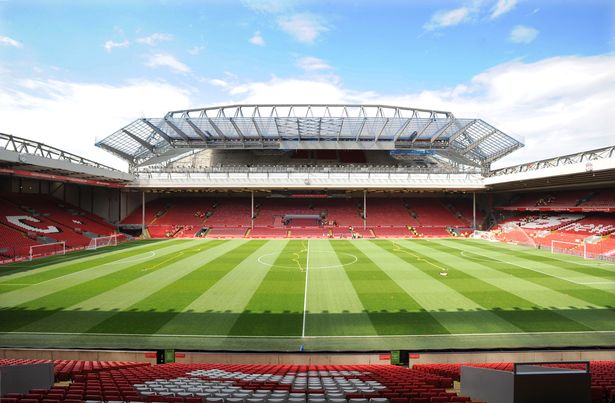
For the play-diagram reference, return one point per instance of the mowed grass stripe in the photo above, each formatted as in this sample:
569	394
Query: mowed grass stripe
333	306
26	276
572	270
217	309
486	272
522	313
455	311
543	297
550	279
37	311
81	280
592	268
24	268
593	314
105	303
151	313
276	308
390	309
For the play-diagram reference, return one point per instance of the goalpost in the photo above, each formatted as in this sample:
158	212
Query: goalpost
103	241
568	248
47	249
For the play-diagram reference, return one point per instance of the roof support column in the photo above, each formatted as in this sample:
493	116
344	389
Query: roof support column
364	210
143	214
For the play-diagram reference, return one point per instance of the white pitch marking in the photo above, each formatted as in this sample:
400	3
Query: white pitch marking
464	253
308	337
307	273
149	255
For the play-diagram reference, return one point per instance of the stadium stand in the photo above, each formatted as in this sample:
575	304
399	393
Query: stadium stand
33	219
69	216
14	243
339	217
192	383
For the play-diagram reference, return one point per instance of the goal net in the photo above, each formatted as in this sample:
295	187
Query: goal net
570	248
103	241
47	249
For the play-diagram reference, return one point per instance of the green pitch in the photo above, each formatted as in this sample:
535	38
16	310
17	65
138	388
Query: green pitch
324	295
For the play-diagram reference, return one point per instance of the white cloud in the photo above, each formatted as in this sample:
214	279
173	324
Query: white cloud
448	18
523	34
154	39
268	6
219	83
7	41
167	60
110	45
525	100
257	39
502	7
196	50
73	115
558	105
309	63
304	27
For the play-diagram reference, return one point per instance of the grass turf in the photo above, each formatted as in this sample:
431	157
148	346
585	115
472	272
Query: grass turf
359	295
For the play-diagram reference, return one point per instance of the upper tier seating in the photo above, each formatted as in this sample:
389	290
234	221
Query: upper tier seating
601	199
559	201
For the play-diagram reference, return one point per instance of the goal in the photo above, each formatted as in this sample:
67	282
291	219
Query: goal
47	249
103	241
570	248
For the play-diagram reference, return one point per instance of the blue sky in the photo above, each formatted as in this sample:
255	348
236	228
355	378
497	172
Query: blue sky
525	66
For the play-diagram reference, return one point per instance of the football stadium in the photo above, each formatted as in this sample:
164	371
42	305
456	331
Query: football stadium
302	252
307	228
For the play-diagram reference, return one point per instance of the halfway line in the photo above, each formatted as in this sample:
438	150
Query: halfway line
307	273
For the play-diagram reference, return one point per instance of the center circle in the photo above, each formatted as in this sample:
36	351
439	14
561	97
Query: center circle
268	259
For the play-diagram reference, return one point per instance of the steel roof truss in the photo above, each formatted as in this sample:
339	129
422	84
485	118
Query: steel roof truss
157	130
140	141
177	129
197	130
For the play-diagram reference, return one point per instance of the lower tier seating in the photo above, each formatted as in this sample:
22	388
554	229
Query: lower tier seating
241	383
